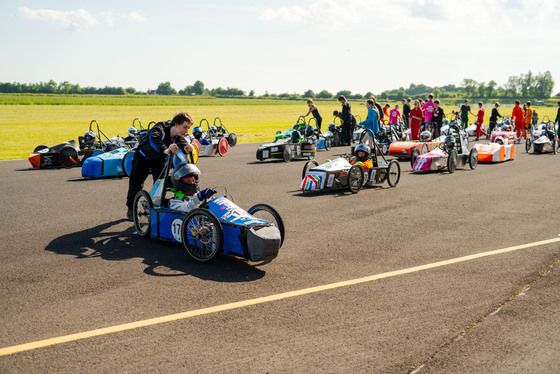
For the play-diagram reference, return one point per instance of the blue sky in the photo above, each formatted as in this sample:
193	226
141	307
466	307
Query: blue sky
287	46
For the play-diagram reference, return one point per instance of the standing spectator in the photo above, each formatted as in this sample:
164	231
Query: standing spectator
428	109
465	110
494	117
386	111
406	112
437	119
517	118
416	116
345	118
371	121
479	121
557	120
394	115
313	110
379	110
528	119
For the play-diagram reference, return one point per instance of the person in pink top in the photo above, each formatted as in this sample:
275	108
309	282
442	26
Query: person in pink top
428	109
394	115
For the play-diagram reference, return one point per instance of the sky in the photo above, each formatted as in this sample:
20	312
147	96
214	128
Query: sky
278	46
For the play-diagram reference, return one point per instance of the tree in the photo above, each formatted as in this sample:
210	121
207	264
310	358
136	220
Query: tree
490	88
544	85
309	93
198	88
526	81
368	94
345	93
470	86
324	95
251	93
130	90
481	89
165	89
512	86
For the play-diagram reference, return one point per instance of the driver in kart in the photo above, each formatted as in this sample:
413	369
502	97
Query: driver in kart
185	187
362	156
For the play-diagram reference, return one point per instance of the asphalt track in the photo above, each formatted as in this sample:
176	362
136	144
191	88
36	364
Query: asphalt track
377	282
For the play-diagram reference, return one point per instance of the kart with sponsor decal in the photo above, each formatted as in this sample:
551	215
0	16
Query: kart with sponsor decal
217	226
289	144
341	173
323	139
215	141
495	152
504	129
387	135
70	154
546	140
448	156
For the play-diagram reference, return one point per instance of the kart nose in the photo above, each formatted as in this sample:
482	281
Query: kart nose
35	160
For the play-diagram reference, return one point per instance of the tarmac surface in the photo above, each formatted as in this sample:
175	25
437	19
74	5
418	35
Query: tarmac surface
72	264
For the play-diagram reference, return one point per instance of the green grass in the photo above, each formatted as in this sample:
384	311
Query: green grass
24	126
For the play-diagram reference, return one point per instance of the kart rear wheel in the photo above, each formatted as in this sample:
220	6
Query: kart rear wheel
555	146
127	162
222	147
232	139
393	173
337	139
68	157
414	156
269	214
196	143
452	161
39	148
355	178
473	158
202	235
528	145
328	144
287	155
308	165
142	213
424	149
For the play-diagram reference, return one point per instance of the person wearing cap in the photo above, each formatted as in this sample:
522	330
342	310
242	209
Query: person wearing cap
163	139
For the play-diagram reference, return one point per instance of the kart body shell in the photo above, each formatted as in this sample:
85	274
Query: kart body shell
405	149
289	144
108	164
494	152
215	141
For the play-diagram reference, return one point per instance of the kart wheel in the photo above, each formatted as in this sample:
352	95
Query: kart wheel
269	214
355	178
415	154
308	165
141	211
127	162
111	147
452	160
473	158
196	143
393	173
68	157
202	235
424	149
287	153
528	145
222	147
232	139
39	148
555	146
328	144
337	140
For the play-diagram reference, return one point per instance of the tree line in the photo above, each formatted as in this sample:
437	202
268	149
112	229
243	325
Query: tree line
538	86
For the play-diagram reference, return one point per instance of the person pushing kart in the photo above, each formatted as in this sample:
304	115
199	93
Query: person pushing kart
185	187
162	139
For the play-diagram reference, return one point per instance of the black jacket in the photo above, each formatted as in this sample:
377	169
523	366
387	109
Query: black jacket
157	140
345	115
406	110
494	116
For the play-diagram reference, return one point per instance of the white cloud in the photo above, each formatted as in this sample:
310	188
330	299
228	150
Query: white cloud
135	17
323	12
71	20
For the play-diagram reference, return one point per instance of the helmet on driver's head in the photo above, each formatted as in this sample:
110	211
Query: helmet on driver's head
89	137
380	133
505	127
213	129
185	178
332	126
425	136
132	131
197	132
309	131
449	142
362	152
499	140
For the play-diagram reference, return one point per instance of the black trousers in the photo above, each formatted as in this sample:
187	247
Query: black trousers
491	127
319	122
141	168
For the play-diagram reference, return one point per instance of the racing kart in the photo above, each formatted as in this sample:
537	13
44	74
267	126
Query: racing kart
411	149
386	136
70	153
441	158
289	144
217	226
495	152
546	140
336	133
213	141
340	173
324	140
506	130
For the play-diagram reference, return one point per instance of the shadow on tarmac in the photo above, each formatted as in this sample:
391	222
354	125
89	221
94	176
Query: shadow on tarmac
162	258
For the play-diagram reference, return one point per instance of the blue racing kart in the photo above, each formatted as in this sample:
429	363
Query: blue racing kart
217	226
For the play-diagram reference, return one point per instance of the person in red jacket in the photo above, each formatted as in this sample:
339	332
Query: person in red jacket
416	117
479	120
517	117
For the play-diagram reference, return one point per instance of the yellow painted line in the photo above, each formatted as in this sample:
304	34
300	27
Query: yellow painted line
260	300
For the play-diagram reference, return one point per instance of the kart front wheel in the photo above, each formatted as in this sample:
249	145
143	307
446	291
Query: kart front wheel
222	147
68	157
393	173
287	154
308	165
142	213
328	144
528	145
415	154
127	162
269	214
452	161
232	139
202	235
355	178
473	158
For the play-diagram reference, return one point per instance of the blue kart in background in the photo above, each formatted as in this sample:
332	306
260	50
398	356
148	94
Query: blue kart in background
218	226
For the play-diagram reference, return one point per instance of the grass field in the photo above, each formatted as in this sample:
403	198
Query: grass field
52	119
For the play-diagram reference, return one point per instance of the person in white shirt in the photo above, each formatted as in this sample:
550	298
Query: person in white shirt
185	187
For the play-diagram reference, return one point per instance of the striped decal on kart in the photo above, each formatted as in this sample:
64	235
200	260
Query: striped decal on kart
311	182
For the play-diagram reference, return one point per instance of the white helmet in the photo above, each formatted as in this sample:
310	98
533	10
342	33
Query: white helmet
499	140
425	136
132	131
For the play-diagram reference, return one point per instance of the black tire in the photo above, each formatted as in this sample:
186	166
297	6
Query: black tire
452	161
232	139
68	157
473	158
424	149
39	148
393	173
269	214
202	235
414	156
111	147
287	155
142	213
355	178
308	165
337	139
328	143
528	145
127	162
555	146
